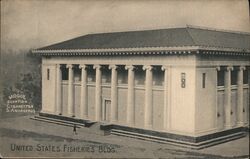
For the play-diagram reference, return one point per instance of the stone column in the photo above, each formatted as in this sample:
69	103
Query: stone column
227	97
98	90
70	91
84	94
166	98
58	90
240	107
131	95
114	104
148	121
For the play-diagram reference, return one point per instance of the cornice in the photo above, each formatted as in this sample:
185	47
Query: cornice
209	50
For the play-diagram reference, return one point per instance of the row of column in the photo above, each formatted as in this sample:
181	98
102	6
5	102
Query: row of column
227	96
148	116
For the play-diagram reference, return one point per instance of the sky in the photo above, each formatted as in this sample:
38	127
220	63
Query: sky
30	24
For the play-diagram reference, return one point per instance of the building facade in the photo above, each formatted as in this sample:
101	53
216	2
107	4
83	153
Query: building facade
190	82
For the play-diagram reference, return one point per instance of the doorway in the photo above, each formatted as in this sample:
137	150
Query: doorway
106	110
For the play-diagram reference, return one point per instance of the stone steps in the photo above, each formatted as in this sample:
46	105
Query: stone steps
87	123
57	121
192	145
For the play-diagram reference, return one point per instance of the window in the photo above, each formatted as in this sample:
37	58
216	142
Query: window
65	73
140	75
122	75
91	74
158	76
234	77
77	74
48	74
106	74
203	80
245	77
220	78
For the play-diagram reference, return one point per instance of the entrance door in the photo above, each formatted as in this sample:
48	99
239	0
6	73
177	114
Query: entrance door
106	110
220	110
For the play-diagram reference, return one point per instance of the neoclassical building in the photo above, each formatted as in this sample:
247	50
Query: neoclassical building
186	86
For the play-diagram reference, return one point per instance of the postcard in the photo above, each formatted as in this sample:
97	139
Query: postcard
125	79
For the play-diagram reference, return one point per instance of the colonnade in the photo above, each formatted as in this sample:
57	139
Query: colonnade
148	116
228	95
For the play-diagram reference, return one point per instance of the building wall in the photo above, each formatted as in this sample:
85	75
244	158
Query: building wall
48	88
139	107
77	96
91	102
246	104
122	104
181	110
64	98
182	106
210	109
158	99
206	99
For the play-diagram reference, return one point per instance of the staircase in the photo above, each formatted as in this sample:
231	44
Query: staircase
181	143
62	120
175	139
57	121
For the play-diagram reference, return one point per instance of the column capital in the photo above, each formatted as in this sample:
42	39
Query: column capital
241	68
229	68
69	66
113	67
129	67
147	67
163	68
218	68
82	66
97	66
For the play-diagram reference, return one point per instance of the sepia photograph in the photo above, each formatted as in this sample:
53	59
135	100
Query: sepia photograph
125	79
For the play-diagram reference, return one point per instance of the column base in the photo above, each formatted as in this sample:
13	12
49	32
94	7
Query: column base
240	124
71	115
228	126
113	121
166	128
130	123
148	126
59	113
84	116
97	119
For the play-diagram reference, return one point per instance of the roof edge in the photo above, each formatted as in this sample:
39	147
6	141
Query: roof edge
180	48
217	29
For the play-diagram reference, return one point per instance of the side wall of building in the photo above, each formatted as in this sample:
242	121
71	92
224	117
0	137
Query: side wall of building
210	98
206	97
48	87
